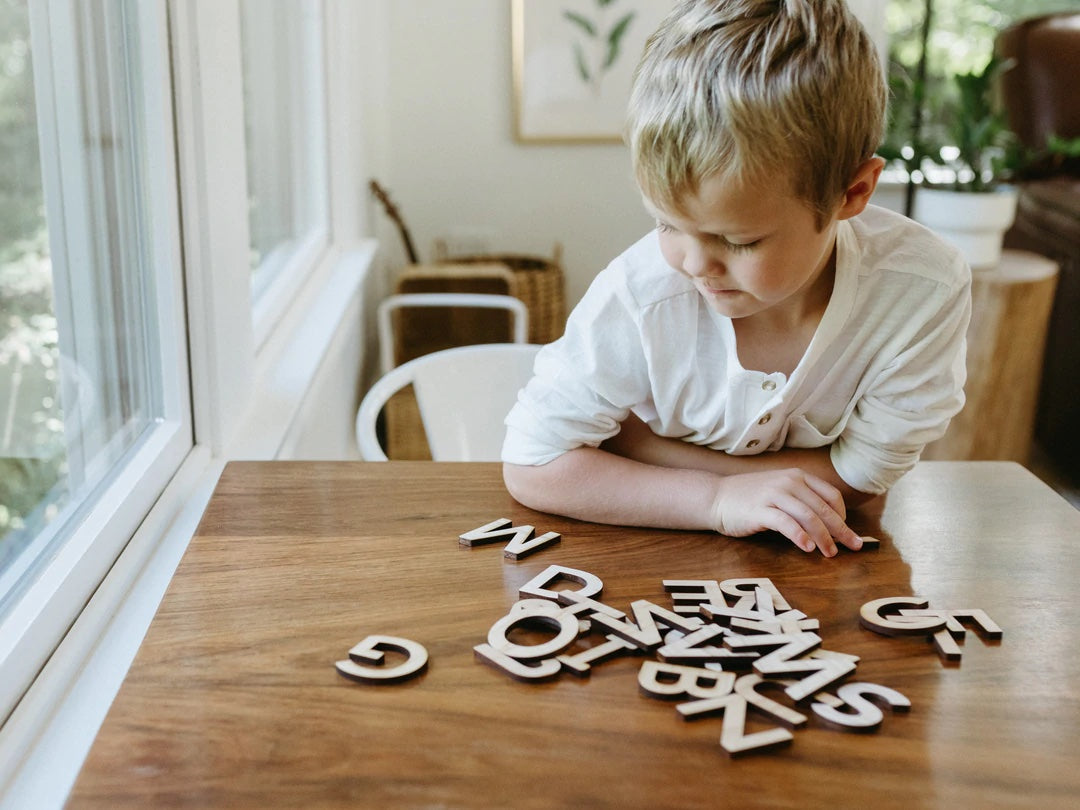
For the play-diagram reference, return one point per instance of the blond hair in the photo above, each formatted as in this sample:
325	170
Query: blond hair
746	88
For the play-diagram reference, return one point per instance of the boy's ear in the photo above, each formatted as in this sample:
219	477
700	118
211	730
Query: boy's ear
861	188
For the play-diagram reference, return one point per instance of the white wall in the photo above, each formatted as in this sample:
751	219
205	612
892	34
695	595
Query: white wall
453	166
447	156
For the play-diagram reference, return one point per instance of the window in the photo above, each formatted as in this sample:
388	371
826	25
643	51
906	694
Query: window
959	39
94	405
128	377
286	143
962	31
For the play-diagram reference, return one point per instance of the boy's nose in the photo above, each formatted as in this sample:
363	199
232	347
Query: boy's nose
698	260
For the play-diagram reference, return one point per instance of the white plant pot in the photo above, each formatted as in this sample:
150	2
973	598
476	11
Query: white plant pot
975	222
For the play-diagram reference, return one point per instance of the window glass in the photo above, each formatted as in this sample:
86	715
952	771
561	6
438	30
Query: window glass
81	381
959	39
31	418
962	32
285	132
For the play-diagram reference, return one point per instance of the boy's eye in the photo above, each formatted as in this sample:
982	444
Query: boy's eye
663	227
739	247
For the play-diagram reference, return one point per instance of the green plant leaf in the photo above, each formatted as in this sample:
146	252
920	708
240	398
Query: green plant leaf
582	64
615	38
582	22
1066	147
604	3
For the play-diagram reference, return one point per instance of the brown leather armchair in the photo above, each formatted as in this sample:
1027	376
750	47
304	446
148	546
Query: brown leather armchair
1040	97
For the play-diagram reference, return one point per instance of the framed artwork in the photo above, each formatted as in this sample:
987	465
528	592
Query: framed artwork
573	62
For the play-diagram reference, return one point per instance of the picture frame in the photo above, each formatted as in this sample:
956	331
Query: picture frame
573	63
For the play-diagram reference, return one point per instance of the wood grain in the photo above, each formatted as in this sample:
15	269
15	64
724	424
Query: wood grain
1010	315
233	699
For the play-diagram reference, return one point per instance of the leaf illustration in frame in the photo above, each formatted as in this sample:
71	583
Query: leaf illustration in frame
615	38
582	22
582	64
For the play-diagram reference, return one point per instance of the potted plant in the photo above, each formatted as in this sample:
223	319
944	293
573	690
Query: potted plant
977	205
965	160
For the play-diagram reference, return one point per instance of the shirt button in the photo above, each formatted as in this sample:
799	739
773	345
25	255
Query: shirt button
752	444
768	385
765	419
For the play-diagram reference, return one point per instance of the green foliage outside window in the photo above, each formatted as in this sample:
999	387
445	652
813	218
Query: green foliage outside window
947	98
32	453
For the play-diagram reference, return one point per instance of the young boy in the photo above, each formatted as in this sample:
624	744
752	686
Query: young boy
777	349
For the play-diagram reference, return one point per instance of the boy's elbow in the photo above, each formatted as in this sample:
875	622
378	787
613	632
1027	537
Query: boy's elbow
543	487
522	482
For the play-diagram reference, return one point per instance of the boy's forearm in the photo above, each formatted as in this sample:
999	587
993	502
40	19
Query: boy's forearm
602	487
638	442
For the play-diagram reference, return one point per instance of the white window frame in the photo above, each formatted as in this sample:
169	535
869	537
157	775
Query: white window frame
247	395
279	277
99	529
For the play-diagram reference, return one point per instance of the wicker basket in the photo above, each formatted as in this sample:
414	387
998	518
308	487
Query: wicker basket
538	282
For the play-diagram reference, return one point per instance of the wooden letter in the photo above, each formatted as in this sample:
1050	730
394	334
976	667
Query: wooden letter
688	649
521	547
645	633
819	672
667	681
790	622
544	612
875	616
764	600
867	716
747	687
368	650
831	671
733	736
542	671
745	592
521	541
580	664
946	646
539	585
786	660
525	605
578	604
687	595
499	529
983	623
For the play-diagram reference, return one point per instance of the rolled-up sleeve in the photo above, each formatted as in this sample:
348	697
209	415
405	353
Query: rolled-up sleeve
585	383
912	400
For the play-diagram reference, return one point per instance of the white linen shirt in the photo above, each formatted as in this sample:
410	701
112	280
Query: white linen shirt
882	376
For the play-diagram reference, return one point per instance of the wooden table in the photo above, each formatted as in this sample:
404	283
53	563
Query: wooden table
234	701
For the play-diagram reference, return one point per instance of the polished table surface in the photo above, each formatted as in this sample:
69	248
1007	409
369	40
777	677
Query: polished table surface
233	699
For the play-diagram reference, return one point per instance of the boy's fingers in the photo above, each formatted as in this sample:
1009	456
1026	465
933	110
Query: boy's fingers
834	518
854	542
809	516
828	493
780	521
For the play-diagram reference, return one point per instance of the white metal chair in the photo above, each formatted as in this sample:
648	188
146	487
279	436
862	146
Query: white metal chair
384	314
463	394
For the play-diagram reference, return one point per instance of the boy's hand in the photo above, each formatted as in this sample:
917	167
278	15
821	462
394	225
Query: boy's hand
804	508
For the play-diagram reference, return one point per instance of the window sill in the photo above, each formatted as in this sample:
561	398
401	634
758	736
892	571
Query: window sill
284	369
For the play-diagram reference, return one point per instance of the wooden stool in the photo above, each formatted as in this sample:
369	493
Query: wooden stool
1011	306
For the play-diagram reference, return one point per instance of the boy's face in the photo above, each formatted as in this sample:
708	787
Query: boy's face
747	249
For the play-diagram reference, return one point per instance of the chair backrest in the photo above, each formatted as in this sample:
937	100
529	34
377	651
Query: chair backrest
384	315
463	395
